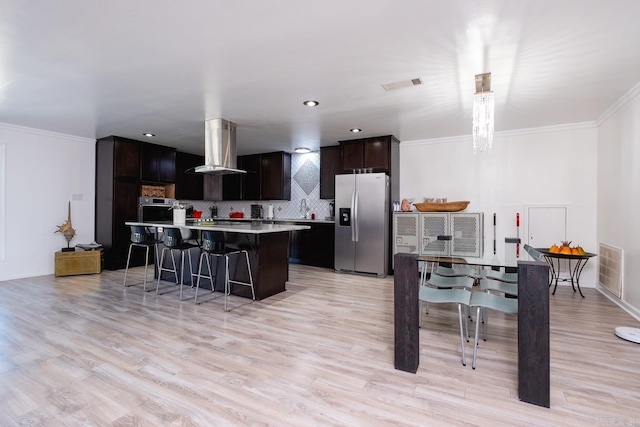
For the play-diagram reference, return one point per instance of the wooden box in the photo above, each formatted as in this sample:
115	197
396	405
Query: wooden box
78	262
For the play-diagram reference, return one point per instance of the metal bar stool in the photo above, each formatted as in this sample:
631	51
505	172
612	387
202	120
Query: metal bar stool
212	247
141	238
171	241
229	282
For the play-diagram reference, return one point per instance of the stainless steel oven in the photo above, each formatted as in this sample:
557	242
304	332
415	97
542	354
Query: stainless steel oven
154	209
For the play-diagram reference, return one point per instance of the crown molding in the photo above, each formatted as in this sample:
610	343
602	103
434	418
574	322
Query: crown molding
617	106
42	132
507	133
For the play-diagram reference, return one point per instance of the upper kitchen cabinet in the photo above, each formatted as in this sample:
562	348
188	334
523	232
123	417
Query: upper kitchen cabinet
232	183
251	181
158	163
330	166
276	176
124	155
189	185
369	153
268	177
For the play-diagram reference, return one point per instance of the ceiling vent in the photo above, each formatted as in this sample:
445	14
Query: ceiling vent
403	83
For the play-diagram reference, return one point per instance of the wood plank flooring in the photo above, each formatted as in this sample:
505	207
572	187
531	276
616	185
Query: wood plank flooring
82	350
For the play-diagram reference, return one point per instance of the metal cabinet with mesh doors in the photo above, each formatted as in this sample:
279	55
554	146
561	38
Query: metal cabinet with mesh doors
439	233
452	234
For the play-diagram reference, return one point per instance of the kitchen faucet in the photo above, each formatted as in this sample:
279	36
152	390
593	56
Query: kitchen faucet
304	209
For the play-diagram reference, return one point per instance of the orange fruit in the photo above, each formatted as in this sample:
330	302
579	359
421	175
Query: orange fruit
575	251
565	250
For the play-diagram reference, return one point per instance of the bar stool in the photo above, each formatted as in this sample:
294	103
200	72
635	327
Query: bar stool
141	238
213	246
171	241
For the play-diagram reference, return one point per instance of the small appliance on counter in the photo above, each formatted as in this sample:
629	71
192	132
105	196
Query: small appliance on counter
214	211
236	215
256	211
188	210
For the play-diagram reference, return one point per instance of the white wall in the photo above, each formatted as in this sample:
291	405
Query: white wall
619	189
543	166
43	170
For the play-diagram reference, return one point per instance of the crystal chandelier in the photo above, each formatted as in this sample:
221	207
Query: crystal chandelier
483	106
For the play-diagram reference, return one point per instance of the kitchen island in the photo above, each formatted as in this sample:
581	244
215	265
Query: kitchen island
267	245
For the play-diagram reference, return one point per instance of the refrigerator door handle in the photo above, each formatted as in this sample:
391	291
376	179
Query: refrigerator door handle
355	216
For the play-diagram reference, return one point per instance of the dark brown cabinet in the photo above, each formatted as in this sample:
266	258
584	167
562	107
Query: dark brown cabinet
251	181
352	155
189	185
276	176
158	163
117	191
125	154
330	166
232	183
268	177
368	153
314	246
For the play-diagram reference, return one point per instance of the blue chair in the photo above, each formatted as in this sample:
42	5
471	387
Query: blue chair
456	296
487	300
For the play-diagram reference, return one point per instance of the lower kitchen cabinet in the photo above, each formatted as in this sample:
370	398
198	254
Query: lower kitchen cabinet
314	246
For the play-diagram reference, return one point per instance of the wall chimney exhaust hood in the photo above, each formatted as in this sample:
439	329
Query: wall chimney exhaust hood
219	148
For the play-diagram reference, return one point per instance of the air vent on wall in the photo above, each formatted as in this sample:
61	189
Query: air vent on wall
402	84
610	269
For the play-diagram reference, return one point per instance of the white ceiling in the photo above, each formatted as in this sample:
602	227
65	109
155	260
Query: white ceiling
122	67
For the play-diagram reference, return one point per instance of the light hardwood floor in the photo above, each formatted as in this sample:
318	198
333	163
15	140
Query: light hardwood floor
82	350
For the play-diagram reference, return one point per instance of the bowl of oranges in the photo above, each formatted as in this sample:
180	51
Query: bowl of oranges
565	248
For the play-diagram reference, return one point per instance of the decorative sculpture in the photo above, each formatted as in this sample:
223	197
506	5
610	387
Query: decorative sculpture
67	231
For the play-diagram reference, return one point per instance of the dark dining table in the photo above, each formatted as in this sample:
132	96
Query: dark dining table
533	313
555	261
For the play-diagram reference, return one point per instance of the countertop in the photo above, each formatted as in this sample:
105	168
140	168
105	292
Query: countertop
276	220
248	228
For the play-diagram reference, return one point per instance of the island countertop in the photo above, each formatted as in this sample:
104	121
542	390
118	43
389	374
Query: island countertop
242	228
267	247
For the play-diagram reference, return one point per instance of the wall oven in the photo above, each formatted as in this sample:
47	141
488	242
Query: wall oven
155	209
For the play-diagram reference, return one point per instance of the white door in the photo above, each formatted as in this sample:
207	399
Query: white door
546	225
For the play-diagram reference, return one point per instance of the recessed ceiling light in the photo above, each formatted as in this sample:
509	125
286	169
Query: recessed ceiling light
355	130
311	103
302	150
149	134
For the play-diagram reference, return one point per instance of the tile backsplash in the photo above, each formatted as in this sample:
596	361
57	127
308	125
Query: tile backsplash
305	184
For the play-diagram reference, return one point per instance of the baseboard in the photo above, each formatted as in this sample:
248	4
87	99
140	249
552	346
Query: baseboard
634	312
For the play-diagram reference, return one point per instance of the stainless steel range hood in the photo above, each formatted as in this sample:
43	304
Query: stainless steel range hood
219	148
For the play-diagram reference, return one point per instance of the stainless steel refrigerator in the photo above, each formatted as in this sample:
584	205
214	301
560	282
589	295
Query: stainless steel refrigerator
362	223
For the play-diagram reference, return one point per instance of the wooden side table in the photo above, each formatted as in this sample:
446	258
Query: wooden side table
78	262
